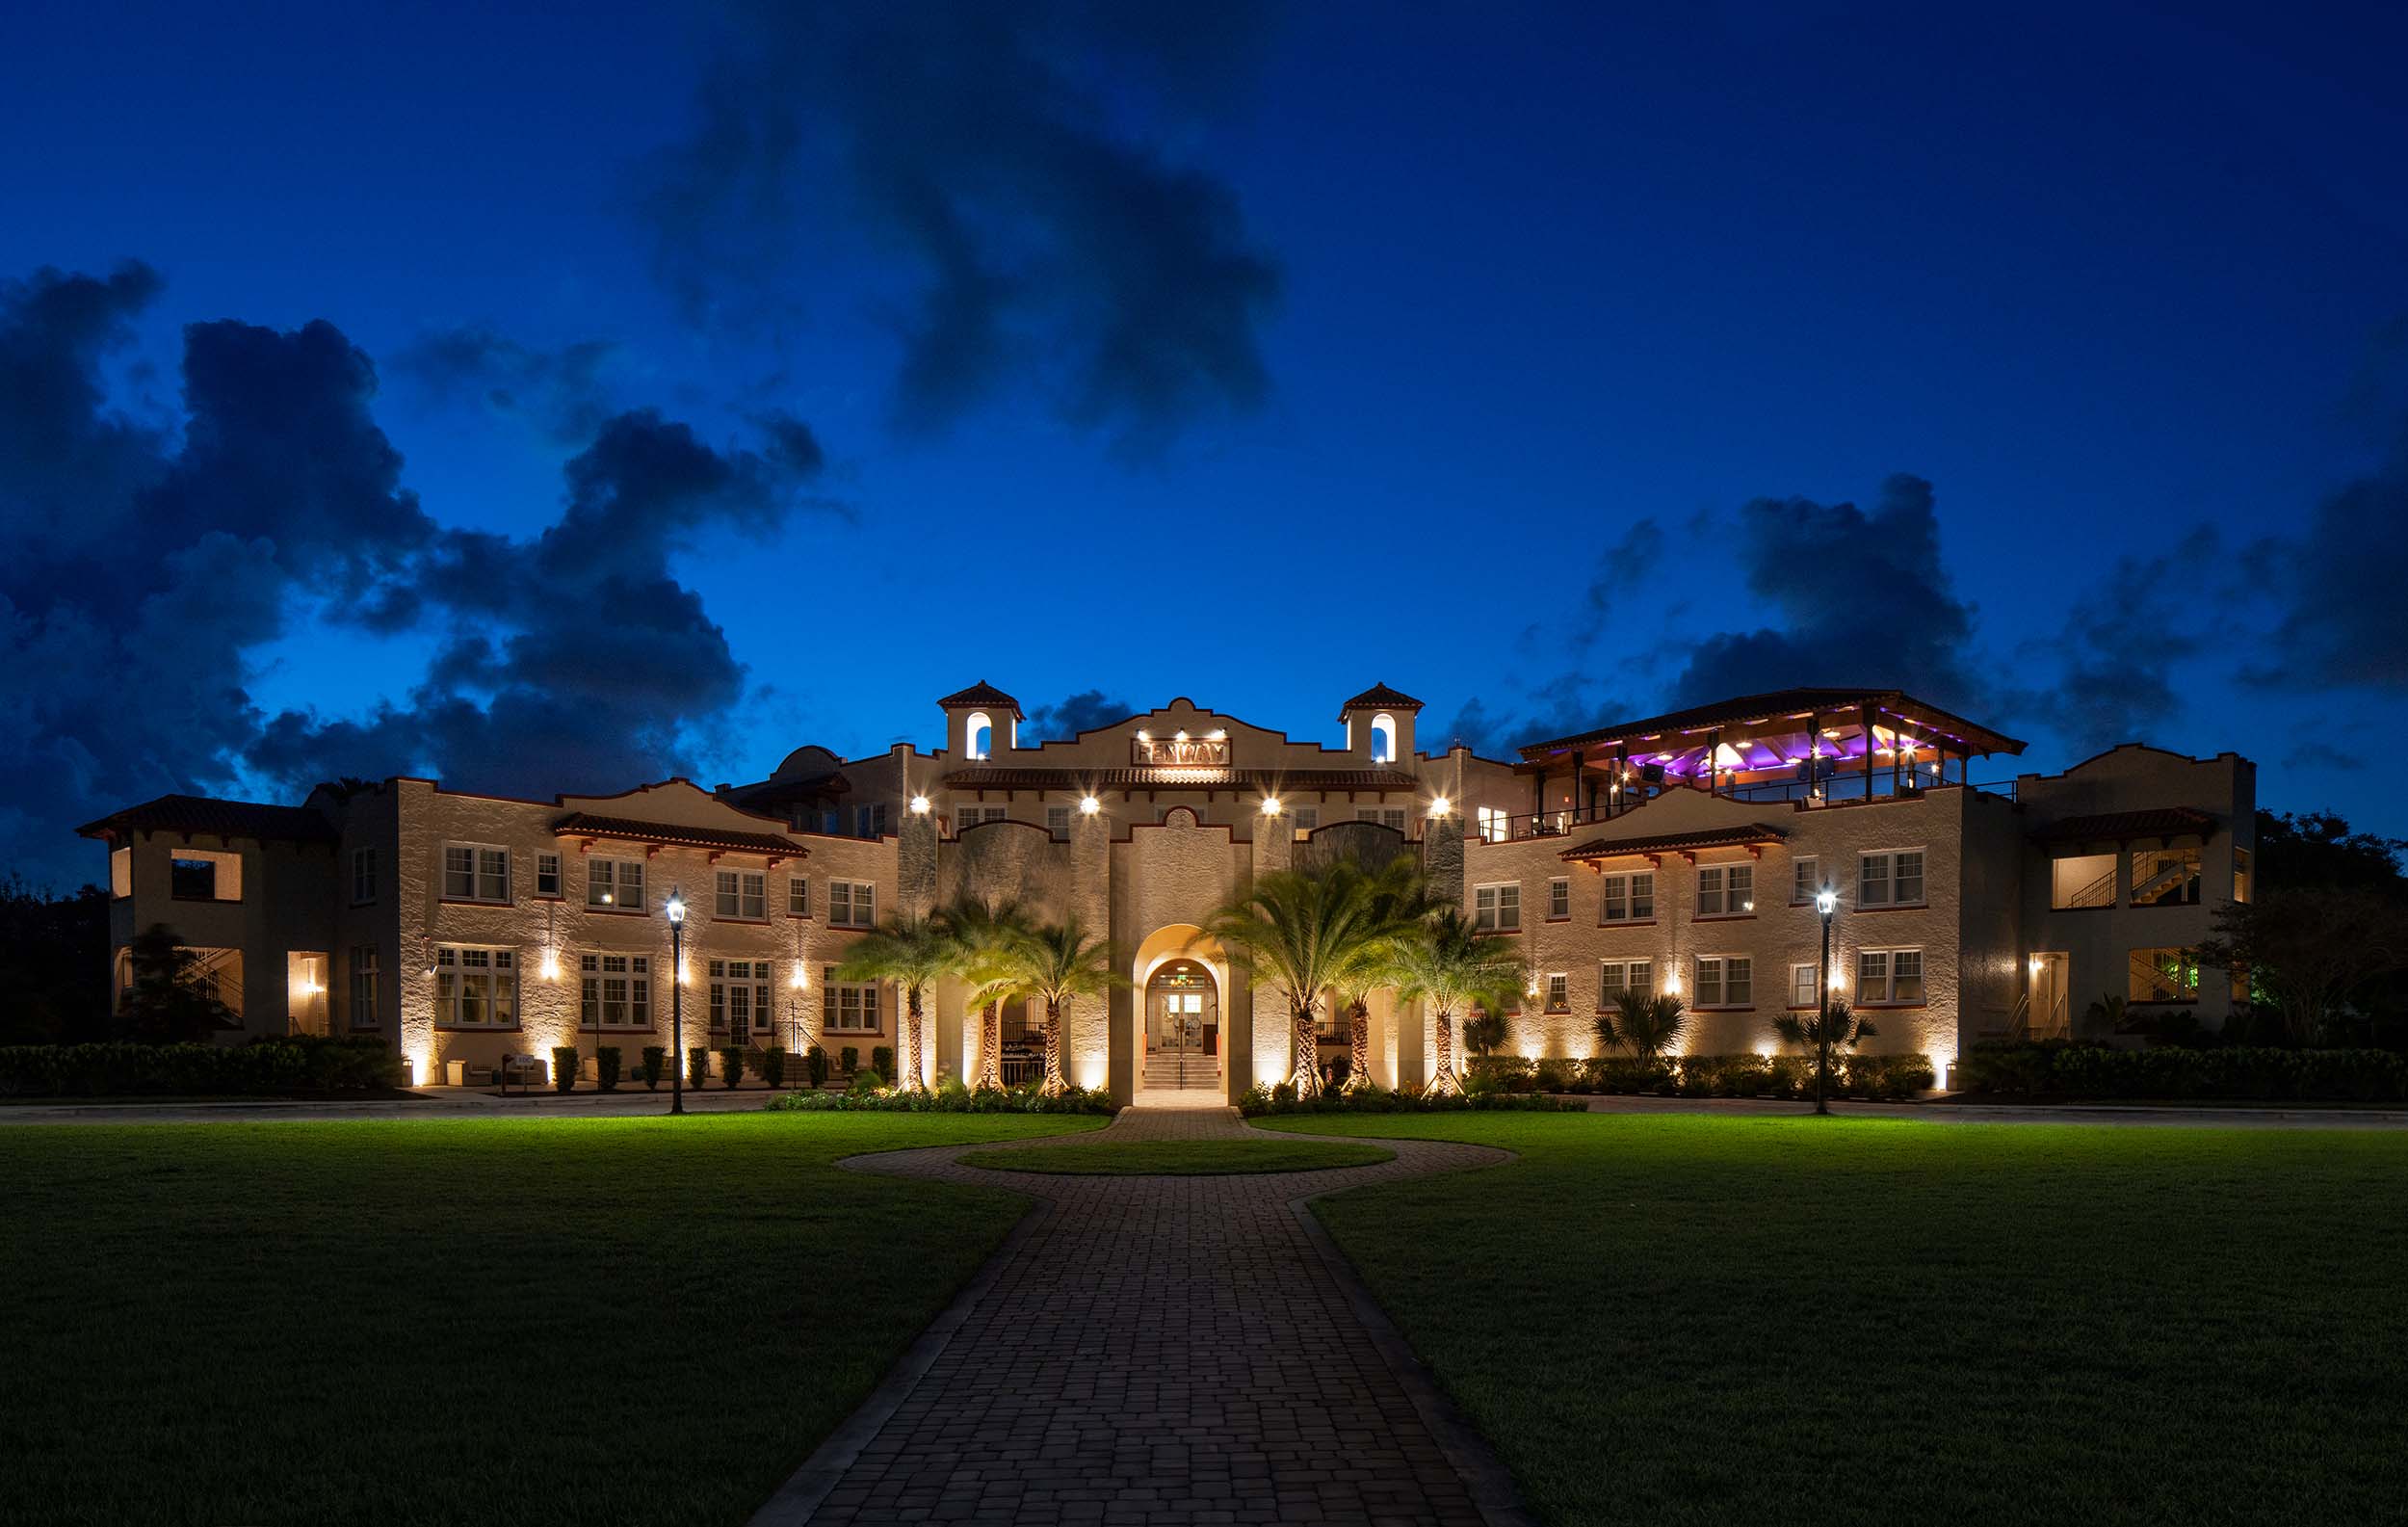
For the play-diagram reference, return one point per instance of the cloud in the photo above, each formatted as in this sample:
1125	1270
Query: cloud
2111	668
563	393
2341	622
997	151
1073	714
1860	598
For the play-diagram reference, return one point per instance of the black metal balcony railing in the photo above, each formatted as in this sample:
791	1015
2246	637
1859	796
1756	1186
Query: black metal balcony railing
1833	791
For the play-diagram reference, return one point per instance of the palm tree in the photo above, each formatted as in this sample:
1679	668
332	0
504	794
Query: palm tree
1058	961
1301	931
1444	962
1399	884
915	952
986	939
1644	1025
1805	1031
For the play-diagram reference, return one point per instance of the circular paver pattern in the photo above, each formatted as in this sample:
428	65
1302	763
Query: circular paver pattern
1159	1350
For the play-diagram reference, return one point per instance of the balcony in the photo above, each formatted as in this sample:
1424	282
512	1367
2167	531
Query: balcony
1836	790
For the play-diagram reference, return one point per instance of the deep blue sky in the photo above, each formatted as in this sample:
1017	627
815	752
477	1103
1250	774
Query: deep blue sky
1498	341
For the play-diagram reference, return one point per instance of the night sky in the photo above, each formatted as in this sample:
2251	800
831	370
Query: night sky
555	407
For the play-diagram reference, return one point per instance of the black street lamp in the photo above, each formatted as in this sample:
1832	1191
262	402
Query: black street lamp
1827	902
677	999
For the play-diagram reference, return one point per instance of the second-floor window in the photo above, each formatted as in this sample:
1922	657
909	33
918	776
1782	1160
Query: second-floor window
742	894
476	871
1496	909
548	874
798	896
1558	899
1802	992
2165	877
1805	879
1725	980
968	817
1057	823
1628	898
1890	878
1614	977
852	904
1558	993
1492	823
363	876
1725	890
615	884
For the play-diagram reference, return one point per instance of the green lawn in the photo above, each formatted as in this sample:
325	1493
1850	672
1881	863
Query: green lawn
1683	1319
432	1321
1178	1158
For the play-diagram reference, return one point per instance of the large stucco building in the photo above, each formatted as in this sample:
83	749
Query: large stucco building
1676	853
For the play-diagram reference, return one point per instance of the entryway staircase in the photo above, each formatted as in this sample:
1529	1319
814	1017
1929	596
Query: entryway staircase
1162	1073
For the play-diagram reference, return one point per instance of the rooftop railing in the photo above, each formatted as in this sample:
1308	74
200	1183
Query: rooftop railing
1836	790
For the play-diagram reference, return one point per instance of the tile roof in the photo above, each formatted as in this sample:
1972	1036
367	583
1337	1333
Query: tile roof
1379	696
1730	837
230	819
980	693
1170	778
2157	823
1748	708
585	824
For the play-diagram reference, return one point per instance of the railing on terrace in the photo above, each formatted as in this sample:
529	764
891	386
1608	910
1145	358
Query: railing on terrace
1838	790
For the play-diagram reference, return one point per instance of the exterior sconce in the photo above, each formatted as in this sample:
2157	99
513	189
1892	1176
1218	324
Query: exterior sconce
1270	805
919	806
1088	806
1439	806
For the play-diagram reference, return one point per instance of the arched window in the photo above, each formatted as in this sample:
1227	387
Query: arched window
1383	738
980	735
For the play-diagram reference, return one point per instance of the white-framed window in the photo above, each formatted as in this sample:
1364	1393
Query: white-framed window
1805	881
967	817
1725	980
1726	890
798	896
476	871
1889	975
1385	816
617	992
1628	898
1614	977
1558	898
363	876
741	894
1307	820
615	884
1058	824
476	986
1496	909
1802	986
740	997
1493	822
1558	992
852	904
365	1009
1890	878
548	874
848	1007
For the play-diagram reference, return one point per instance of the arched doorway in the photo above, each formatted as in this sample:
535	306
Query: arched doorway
1182	1027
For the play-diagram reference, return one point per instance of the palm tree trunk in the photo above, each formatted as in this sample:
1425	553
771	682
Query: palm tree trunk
1358	1044
912	1041
1055	1084
1304	1057
992	1041
1443	1084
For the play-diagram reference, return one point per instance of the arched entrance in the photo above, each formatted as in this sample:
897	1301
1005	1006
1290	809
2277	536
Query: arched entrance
1183	1040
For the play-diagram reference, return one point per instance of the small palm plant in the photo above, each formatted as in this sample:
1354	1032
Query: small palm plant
1059	962
987	939
1805	1031
1301	931
915	952
1643	1024
1446	963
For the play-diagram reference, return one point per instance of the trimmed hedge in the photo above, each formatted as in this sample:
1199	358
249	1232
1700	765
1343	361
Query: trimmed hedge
951	1098
1881	1077
302	1063
2173	1073
1259	1099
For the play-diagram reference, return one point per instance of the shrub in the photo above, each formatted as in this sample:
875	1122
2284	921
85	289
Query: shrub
882	1059
1025	1099
606	1060
1373	1099
565	1060
773	1065
1255	1099
300	1064
2172	1073
1550	1077
655	1065
731	1065
815	1065
865	1083
1284	1093
852	1054
697	1066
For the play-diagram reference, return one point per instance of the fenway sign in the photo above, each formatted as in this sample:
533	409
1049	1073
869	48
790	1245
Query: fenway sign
1180	753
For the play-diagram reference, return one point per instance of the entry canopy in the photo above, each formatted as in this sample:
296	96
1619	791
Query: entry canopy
1779	732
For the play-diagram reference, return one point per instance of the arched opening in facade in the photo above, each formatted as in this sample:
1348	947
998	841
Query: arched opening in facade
979	735
1182	980
1383	738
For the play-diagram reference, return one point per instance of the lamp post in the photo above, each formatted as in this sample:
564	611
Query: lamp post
1827	902
677	999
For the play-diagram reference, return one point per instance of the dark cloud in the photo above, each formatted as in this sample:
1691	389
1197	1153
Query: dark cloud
146	567
1860	598
993	147
2342	621
1073	714
565	393
2111	671
1567	703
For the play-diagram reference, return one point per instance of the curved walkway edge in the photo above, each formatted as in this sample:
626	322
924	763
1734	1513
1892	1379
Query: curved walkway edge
1160	1350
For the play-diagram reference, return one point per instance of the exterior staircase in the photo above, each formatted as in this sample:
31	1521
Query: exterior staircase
1162	1071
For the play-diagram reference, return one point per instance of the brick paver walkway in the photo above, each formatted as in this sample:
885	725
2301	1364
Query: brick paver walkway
1161	1350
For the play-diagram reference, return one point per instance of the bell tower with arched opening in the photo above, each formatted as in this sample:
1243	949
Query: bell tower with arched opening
981	722
1379	725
